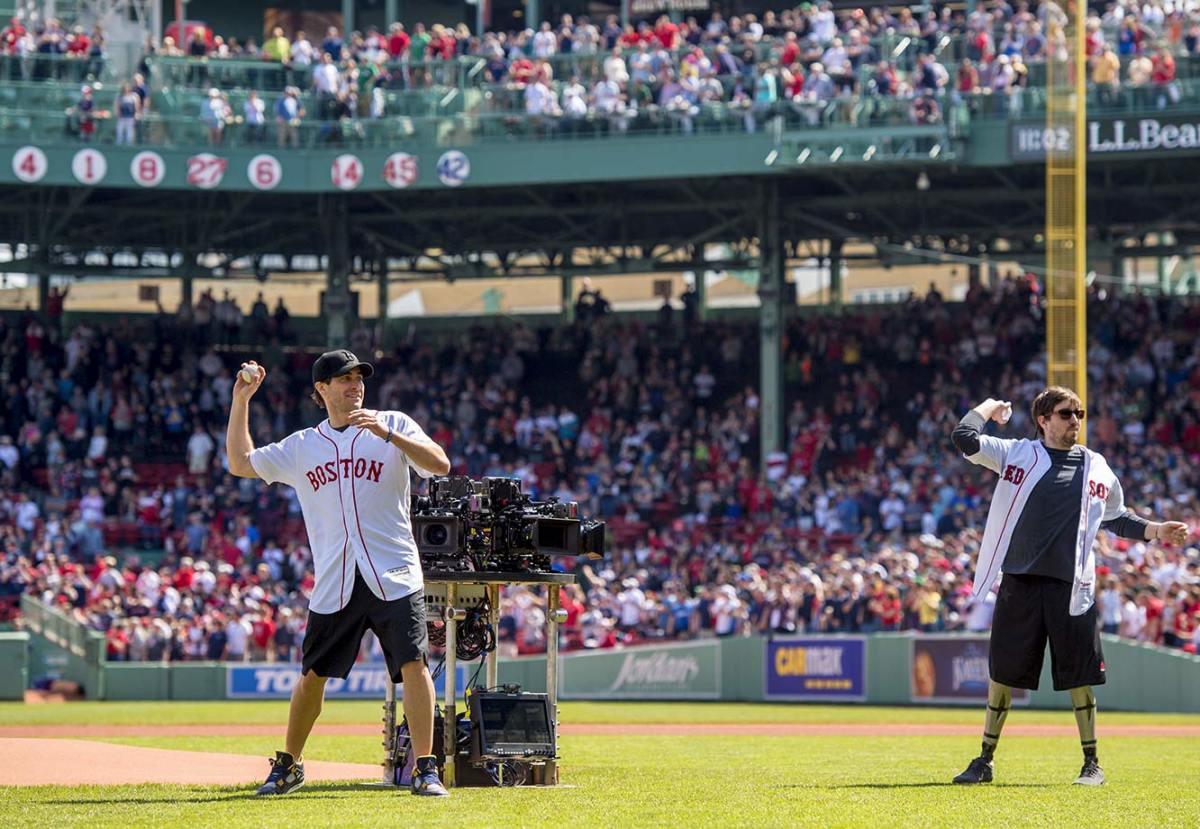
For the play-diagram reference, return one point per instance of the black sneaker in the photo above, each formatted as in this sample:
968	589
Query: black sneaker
286	775
425	780
1091	774
979	771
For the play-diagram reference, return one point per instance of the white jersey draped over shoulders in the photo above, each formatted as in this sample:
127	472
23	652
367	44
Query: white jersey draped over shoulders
1020	465
353	489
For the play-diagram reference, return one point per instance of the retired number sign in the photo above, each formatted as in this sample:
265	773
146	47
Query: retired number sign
29	164
206	170
147	169
89	166
265	172
400	170
346	172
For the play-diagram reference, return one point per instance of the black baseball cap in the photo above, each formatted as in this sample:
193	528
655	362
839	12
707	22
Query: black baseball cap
336	363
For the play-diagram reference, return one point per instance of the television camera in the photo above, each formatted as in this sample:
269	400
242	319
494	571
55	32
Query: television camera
489	525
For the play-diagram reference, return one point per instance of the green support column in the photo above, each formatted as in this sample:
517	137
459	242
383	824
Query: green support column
1164	278
835	273
624	13
391	11
43	280
568	298
701	283
336	306
533	15
1116	265
347	18
381	284
187	271
770	323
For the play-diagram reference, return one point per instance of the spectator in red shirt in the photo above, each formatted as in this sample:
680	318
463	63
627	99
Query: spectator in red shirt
522	71
398	42
11	35
262	632
667	33
1162	76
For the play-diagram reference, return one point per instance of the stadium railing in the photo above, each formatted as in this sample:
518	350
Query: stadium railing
62	631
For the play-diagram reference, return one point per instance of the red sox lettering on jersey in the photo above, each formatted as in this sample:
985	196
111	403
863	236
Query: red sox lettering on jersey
353	490
1020	465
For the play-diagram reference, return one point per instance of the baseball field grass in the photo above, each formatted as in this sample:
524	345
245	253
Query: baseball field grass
631	776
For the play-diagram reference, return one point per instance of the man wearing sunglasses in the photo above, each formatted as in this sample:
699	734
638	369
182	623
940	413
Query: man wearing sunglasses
1054	495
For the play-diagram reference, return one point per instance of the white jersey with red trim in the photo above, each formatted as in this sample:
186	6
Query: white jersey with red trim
354	492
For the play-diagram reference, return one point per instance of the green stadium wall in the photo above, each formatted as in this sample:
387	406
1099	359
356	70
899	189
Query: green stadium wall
1140	677
14	665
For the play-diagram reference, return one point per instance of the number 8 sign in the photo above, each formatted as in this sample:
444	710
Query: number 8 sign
265	172
147	169
346	172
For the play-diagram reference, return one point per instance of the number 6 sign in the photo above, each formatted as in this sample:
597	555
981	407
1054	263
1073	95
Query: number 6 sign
147	169
265	172
346	172
29	164
206	170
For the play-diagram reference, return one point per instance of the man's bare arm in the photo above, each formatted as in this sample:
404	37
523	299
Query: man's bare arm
238	443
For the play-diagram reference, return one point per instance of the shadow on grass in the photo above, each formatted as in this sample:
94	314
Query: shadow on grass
918	786
311	791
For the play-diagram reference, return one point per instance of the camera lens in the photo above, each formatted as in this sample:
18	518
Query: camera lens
436	534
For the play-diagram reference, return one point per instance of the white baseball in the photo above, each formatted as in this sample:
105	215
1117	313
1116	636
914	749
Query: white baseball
249	375
1006	413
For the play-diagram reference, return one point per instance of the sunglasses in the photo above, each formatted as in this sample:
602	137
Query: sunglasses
1067	414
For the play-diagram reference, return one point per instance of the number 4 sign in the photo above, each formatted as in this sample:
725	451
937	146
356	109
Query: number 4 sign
29	164
346	172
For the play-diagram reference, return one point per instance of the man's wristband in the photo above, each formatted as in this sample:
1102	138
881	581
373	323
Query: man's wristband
388	439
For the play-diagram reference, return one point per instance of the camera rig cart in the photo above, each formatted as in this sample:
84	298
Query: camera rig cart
451	597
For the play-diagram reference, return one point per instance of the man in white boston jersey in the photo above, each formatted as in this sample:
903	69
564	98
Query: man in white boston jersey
351	475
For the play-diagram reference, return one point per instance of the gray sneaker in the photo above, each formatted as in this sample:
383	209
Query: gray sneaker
1091	774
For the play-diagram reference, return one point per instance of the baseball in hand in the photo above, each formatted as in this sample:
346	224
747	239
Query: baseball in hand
1005	413
249	375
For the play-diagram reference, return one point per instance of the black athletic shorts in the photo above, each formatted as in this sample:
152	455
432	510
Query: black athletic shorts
332	640
1030	610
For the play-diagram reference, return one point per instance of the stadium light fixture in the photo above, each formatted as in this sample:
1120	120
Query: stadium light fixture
935	151
836	154
870	153
922	181
771	157
804	155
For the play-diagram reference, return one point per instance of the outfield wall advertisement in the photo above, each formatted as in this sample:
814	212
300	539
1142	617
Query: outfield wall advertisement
367	680
949	669
816	668
687	671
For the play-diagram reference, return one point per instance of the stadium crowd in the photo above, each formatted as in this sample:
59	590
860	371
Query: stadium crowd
869	520
807	62
807	65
